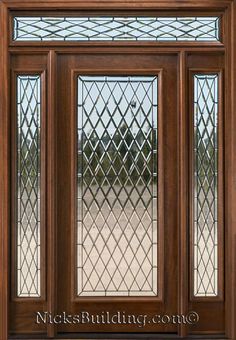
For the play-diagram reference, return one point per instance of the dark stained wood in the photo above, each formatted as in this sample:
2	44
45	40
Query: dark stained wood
212	56
233	330
160	208
4	177
131	12
183	193
119	4
230	170
52	190
210	309
142	49
106	64
127	336
22	310
232	67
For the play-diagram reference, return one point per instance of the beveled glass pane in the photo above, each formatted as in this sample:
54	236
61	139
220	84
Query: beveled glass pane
116	28
117	180
28	186
205	185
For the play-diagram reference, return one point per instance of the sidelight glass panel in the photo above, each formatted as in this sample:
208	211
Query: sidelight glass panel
28	186
116	28
205	185
117	186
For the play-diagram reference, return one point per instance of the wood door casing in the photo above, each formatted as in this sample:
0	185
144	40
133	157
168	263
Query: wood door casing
121	64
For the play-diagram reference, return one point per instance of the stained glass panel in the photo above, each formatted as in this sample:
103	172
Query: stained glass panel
28	186
205	185
116	28
117	186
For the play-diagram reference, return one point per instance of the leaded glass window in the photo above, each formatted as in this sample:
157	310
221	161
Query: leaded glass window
116	28
206	185
117	186
28	185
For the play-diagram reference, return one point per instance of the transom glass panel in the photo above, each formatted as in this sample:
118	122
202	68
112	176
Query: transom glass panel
116	28
117	186
205	185
28	185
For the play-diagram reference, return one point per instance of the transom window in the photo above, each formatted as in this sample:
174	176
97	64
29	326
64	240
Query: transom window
110	28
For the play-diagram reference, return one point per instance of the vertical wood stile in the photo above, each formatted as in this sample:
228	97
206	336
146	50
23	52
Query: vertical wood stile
232	71
230	167
4	176
182	183
51	190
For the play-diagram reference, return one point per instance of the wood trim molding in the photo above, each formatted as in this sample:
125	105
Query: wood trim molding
230	170
232	68
118	4
4	178
153	72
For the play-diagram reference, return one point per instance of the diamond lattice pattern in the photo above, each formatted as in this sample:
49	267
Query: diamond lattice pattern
116	28
206	160
117	186
28	186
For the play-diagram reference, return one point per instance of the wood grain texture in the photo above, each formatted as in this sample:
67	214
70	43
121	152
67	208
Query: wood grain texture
183	192
118	4
4	178
231	168
210	310
22	310
28	50
233	41
107	64
51	189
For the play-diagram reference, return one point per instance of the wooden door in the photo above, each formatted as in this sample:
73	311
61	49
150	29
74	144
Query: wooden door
117	243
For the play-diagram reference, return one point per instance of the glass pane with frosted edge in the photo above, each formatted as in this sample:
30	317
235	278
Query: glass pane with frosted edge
116	28
205	185
117	186
28	186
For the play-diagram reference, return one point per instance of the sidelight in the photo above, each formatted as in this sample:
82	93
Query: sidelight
28	185
206	185
117	186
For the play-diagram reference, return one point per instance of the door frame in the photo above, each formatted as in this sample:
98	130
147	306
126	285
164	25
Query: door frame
228	7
